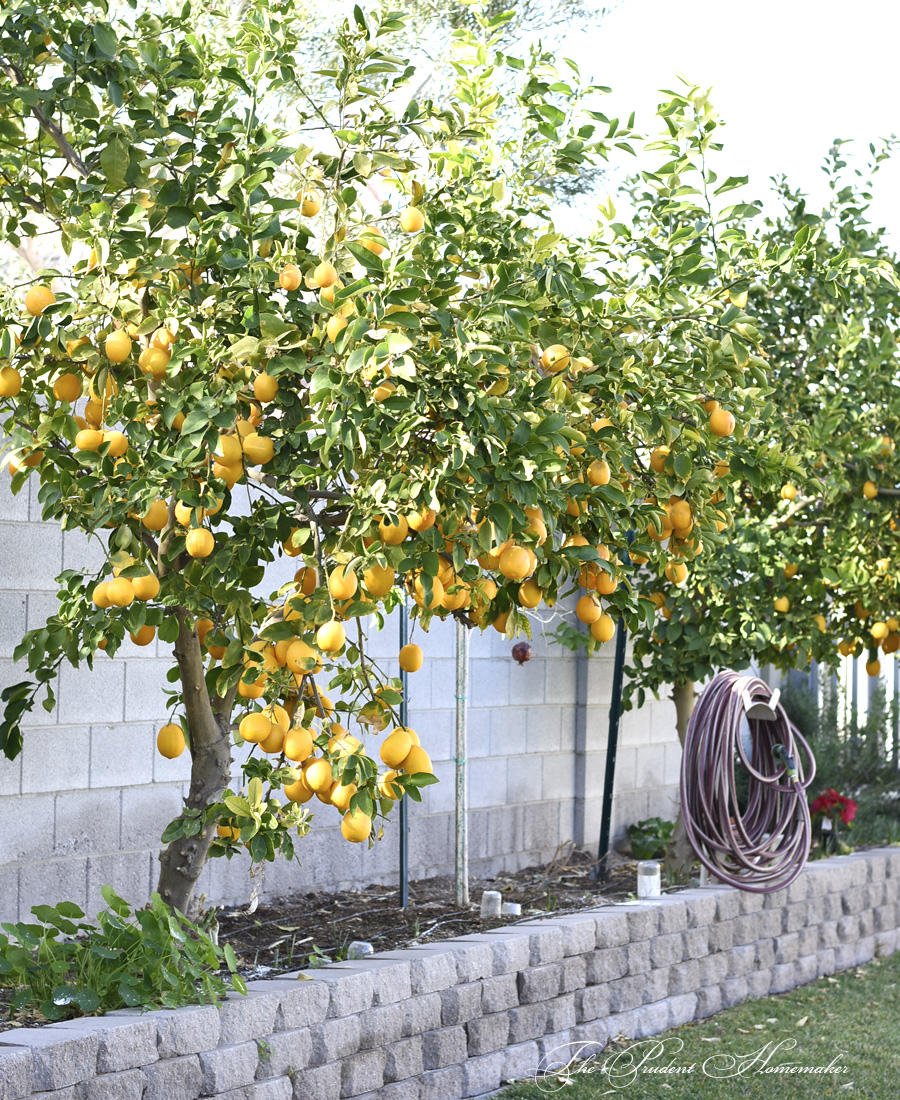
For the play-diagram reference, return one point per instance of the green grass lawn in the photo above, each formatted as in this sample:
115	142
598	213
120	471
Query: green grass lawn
849	1020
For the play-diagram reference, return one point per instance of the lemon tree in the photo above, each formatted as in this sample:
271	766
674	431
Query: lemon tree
808	569
360	343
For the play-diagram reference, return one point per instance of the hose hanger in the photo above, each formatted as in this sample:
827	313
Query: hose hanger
761	844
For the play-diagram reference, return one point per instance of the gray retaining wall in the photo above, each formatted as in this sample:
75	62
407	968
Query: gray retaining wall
458	1018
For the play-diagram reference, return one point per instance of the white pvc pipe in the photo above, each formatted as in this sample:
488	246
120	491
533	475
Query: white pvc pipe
462	831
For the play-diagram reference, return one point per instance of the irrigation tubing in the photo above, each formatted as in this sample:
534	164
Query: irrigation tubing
763	844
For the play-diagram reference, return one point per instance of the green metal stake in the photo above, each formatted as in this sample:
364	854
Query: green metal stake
612	744
404	802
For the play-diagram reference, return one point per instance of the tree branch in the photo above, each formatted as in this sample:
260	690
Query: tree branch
47	124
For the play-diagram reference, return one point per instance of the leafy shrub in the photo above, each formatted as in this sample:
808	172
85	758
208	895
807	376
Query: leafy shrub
649	838
159	959
858	758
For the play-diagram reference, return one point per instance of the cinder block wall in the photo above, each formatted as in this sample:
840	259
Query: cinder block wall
86	801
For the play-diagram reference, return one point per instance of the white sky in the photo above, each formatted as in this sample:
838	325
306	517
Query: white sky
788	77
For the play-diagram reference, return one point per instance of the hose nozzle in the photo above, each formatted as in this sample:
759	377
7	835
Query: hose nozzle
780	753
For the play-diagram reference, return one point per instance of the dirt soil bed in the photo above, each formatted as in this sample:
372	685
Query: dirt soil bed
302	930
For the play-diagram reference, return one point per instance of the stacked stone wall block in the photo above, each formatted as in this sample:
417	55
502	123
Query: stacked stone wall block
380	1025
527	1022
672	915
561	1013
741	960
247	1017
499	993
228	1067
482	1074
320	1083
759	983
173	1079
666	949
421	1014
808	939
605	965
611	929
573	973
750	903
696	943
283	1052
637	956
657	987
547	942
300	1003
445	1047
122	1044
579	934
765	954
684	978
721	936
474	958
511	950
700	907
58	1058
642	923
182	1031
488	1033
539	983
713	969
441	1084
129	1084
334	1039
521	1061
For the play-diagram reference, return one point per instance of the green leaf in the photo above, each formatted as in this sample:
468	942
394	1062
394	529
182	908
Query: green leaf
244	348
239	806
230	177
106	40
114	160
362	164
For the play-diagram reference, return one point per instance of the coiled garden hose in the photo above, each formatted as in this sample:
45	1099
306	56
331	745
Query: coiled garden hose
758	842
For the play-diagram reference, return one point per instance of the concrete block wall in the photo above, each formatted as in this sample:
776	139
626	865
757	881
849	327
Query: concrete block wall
86	801
458	1018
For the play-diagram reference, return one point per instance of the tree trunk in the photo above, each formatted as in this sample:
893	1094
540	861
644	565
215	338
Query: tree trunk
680	856
185	857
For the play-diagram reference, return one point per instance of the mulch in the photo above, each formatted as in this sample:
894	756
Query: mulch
302	930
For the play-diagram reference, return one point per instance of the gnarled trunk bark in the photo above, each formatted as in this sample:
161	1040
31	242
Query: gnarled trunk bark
185	857
680	855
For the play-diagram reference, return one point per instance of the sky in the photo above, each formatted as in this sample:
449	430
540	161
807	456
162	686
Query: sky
788	77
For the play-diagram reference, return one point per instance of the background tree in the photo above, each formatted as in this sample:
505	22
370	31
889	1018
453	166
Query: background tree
258	322
809	570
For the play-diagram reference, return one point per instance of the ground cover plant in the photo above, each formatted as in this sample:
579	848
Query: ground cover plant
59	965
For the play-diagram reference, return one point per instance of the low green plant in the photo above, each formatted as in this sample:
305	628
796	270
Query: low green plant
155	957
317	958
649	838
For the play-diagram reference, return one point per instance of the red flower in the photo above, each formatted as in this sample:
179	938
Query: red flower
832	804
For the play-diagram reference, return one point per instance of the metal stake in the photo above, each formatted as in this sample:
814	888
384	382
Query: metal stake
404	802
462	829
615	713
